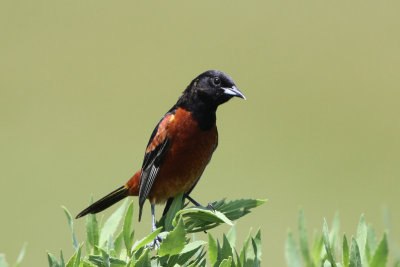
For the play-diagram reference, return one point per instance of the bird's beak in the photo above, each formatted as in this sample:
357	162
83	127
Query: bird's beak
233	91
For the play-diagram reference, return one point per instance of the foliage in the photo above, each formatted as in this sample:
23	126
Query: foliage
106	246
103	247
327	249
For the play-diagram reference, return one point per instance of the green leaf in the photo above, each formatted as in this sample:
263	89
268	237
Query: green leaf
122	255
362	239
52	261
317	248
231	236
105	256
92	231
110	244
345	253
198	219
71	227
193	246
237	208
257	259
200	261
226	262
108	260
71	261
212	249
243	252
238	261
219	259
129	252
62	259
111	225
238	204
291	252
190	250
304	248
328	248
127	228
380	256
85	263
118	242
395	250
167	261
226	248
334	234
144	260
355	259
174	242
194	261
97	260
144	241
78	257
371	240
173	209
251	253
21	255
257	244
75	260
114	262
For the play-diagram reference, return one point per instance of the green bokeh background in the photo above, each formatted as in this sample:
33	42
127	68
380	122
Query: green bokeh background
83	83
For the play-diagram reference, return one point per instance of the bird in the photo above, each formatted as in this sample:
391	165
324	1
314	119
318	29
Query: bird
180	147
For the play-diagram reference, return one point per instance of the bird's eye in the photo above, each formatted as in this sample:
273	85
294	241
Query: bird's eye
217	81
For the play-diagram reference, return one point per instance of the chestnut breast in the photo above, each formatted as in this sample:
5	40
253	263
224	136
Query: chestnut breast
190	151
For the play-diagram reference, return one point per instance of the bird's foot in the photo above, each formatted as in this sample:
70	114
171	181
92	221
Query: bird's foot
155	243
210	207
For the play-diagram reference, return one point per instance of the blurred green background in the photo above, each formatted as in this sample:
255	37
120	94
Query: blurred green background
83	83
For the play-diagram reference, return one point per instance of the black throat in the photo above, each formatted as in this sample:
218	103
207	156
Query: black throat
206	120
203	111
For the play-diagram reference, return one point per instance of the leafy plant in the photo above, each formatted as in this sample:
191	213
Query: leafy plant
106	246
327	250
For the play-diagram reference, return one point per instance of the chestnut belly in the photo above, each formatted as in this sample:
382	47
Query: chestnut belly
185	162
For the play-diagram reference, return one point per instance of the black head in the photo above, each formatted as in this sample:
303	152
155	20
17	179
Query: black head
205	93
209	90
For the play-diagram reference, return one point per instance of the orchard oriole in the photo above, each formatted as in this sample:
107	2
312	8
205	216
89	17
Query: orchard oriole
179	148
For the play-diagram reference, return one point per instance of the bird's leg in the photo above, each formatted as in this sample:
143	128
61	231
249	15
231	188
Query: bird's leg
153	217
197	204
157	240
211	207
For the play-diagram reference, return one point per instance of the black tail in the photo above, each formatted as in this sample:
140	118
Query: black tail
106	201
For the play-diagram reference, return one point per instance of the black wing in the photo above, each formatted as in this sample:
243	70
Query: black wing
153	160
